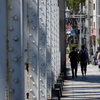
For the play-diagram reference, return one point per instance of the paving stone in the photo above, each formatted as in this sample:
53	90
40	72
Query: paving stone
82	89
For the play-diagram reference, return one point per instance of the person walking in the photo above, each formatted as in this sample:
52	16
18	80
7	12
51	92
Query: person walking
98	60
95	58
73	55
83	59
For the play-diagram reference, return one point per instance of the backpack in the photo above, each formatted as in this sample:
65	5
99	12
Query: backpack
83	56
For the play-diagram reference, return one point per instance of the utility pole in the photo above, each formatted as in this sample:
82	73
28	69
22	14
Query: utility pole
80	41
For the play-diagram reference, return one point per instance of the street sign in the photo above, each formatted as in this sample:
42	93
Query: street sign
72	32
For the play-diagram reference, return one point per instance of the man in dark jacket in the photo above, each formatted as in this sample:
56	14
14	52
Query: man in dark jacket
84	59
74	61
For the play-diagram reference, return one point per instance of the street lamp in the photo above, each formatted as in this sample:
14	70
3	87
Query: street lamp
67	16
67	13
80	39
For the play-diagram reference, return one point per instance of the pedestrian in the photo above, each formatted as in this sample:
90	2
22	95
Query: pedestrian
98	59
73	55
95	58
91	57
84	59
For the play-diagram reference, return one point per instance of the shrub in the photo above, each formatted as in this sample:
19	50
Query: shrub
73	45
67	51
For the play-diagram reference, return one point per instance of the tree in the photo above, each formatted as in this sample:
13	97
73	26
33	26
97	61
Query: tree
98	40
73	4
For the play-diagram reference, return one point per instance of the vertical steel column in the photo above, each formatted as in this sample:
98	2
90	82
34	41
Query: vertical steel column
57	57
25	73
30	62
53	36
14	53
62	35
42	49
52	44
48	55
3	52
33	67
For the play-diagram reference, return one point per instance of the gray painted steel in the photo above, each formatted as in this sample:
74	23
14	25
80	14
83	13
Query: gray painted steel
30	52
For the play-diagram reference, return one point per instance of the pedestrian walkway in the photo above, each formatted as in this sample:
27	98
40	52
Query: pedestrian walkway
82	89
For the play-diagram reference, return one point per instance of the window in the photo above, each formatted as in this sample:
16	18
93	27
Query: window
94	6
94	24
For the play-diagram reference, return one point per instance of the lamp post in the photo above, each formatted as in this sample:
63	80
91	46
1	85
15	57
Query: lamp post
80	40
67	16
67	13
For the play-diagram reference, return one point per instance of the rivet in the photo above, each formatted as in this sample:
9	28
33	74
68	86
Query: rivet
40	59
11	7
42	53
40	28
43	64
33	28
40	69
11	28
42	43
40	7
11	90
42	95
33	69
15	17
42	84
34	97
15	38
30	49
41	12
30	90
30	35
10	49
42	22
11	70
42	33
40	38
31	76
33	14
42	74
26	50
30	21
16	80
34	55
39	17
30	63
15	59
30	7
42	1
34	83
33	42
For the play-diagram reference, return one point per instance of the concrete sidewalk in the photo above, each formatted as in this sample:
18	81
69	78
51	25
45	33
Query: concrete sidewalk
82	89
